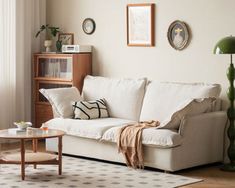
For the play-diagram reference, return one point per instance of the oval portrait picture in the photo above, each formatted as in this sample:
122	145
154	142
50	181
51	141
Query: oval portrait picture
178	35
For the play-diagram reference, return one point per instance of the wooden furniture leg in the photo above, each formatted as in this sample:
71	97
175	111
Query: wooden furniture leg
22	151
60	154
35	148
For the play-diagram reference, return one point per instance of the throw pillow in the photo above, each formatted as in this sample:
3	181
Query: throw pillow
189	107
90	109
61	99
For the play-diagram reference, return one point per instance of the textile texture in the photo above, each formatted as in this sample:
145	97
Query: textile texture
130	142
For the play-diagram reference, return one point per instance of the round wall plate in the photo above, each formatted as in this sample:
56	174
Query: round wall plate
88	26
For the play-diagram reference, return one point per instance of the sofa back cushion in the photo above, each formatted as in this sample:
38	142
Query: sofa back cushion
61	100
162	98
123	97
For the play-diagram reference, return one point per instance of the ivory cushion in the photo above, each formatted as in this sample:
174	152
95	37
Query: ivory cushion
163	138
93	128
61	100
161	100
123	97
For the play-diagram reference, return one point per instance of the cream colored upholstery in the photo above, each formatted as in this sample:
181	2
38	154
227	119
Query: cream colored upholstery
162	99
123	97
93	128
163	138
198	140
202	143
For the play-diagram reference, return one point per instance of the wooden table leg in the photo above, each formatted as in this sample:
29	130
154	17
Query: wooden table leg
35	148
22	151
60	154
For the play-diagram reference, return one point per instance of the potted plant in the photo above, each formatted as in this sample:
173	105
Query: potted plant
50	33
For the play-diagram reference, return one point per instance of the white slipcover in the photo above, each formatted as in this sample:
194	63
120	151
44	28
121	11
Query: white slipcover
124	97
162	99
93	128
163	138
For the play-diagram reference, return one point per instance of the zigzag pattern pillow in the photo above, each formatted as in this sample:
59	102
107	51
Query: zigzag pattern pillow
90	109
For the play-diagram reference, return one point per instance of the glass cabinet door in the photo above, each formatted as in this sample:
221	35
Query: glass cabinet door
60	68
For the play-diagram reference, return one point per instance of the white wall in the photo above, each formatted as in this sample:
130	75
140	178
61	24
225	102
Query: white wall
209	21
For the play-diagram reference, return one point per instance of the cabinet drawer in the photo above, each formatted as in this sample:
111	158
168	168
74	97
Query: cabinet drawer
43	113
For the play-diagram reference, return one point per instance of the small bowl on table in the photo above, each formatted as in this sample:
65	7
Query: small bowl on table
23	125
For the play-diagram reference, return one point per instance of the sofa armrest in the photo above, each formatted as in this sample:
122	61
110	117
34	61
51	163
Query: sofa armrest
202	139
205	123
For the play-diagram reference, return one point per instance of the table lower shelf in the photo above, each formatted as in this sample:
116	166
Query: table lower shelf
38	157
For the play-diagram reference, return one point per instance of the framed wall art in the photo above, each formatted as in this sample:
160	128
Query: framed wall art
66	38
140	24
88	26
178	35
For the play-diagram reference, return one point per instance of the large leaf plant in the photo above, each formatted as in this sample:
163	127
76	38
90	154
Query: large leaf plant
50	31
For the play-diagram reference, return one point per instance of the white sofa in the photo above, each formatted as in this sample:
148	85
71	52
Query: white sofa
197	140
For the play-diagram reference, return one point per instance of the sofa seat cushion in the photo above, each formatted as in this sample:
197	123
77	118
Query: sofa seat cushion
93	128
162	138
123	97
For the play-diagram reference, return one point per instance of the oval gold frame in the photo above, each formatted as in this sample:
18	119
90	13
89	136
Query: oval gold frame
187	34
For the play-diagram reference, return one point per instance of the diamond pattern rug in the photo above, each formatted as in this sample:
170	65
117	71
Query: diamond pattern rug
84	173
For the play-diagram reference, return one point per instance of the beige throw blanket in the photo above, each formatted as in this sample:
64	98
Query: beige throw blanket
129	142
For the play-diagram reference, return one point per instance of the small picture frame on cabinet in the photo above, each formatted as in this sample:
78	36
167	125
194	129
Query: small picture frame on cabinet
66	38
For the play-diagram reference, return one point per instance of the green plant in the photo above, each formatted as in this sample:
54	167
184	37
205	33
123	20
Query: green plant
50	31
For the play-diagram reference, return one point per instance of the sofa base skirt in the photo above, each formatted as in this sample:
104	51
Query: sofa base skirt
168	159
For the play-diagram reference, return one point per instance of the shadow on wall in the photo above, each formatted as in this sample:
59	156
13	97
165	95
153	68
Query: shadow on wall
97	65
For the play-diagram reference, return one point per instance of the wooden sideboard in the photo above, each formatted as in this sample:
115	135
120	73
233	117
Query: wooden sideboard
55	71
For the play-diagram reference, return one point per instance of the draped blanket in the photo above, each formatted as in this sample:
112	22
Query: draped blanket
129	142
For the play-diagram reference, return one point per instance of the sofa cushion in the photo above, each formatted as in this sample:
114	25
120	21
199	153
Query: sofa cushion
85	128
124	97
61	100
188	107
162	98
163	138
90	109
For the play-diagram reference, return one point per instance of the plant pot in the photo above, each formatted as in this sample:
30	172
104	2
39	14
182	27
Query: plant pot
48	44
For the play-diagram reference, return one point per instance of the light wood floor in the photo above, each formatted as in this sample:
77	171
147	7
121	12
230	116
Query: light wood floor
212	175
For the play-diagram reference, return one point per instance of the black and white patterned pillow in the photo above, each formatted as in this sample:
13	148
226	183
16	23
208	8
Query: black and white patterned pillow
90	109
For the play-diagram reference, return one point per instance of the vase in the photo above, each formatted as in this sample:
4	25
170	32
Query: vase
58	45
48	44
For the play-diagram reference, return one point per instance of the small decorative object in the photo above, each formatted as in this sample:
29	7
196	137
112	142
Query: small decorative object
178	35
140	24
58	45
48	44
227	46
22	125
50	33
88	26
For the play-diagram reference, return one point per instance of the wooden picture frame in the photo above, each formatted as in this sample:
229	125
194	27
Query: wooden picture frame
140	24
66	38
178	35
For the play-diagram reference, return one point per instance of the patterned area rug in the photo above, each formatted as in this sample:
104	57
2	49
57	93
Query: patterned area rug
83	173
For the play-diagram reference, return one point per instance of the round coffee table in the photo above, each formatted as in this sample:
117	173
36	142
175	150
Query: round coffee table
34	157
